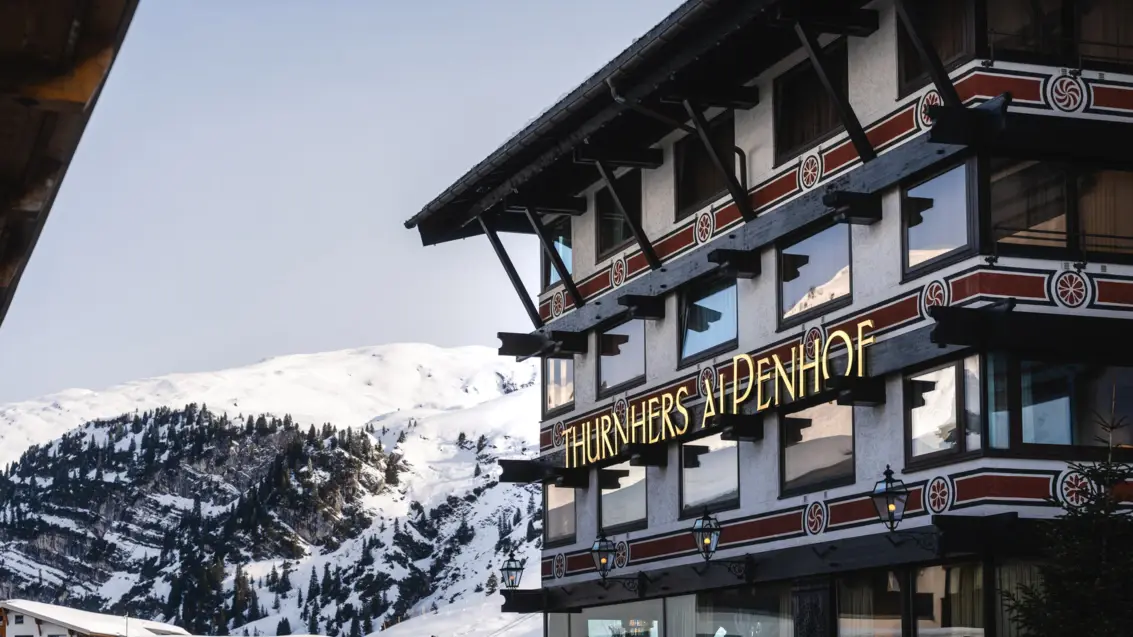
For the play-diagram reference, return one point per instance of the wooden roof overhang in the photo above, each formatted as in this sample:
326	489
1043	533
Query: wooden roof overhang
55	56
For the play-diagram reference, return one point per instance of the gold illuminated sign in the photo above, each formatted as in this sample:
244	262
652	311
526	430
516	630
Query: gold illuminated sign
662	418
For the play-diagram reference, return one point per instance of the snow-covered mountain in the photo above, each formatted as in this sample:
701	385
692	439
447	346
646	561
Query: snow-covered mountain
329	493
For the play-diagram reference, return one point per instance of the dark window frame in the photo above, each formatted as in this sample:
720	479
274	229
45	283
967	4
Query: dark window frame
727	505
17	620
960	453
609	251
565	407
626	384
974	32
784	155
633	525
971	216
1074	250
833	483
823	308
714	124
715	284
562	541
546	269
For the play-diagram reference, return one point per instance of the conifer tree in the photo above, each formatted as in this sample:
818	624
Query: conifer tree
284	627
355	627
313	624
492	584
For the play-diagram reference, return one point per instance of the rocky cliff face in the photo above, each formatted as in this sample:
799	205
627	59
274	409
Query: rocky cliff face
255	522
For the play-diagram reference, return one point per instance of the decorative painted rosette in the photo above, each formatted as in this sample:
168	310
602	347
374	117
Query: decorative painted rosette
1066	93
1073	488
938	495
935	294
705	226
812	342
1070	289
621	554
810	171
557	304
557	434
815	518
928	100
560	565
618	272
707	374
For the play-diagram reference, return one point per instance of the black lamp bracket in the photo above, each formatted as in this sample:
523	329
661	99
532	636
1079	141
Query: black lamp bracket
743	568
925	540
634	584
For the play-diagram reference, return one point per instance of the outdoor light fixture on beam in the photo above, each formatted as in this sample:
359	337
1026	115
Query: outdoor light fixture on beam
604	551
512	572
890	496
855	208
706	534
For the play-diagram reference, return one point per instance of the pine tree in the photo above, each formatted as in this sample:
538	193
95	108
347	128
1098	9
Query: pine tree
313	585
313	624
481	443
476	472
492	584
355	627
1083	584
461	440
283	627
530	503
367	625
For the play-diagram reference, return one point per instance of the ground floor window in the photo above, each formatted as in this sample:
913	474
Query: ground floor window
949	600
635	619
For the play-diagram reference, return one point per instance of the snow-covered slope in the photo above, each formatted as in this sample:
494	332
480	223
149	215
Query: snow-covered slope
475	618
128	500
348	388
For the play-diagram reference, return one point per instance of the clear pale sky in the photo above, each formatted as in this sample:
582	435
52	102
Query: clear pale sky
240	190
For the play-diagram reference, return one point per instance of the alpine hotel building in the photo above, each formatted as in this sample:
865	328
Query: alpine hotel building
790	245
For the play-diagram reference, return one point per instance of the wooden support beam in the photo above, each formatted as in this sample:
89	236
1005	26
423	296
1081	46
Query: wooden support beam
572	478
644	158
611	478
524	600
650	308
547	203
519	344
978	126
743	264
554	256
855	391
643	455
512	275
507	222
607	174
855	208
731	97
524	471
67	92
748	427
569	343
859	23
841	102
727	169
908	15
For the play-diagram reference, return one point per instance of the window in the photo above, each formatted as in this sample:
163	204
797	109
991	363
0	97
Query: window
936	217
558	384
631	619
943	409
558	523
1106	31
1042	205
804	112
1024	26
818	447
1057	404
709	319
621	356
614	232
815	272
710	474
763	610
17	619
699	183
949	600
1092	35
559	233
948	27
869	603
622	505
1009	577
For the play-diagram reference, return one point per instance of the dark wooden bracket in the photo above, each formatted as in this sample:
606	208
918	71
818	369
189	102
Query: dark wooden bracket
859	23
635	226
928	55
748	427
546	203
743	264
609	478
555	258
644	158
852	390
728	171
522	471
977	126
512	275
642	455
570	478
554	345
841	102
732	97
650	308
856	208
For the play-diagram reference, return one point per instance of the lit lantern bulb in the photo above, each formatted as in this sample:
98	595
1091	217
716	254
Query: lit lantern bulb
707	540
603	560
892	507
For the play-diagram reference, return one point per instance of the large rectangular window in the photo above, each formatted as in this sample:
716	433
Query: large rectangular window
818	447
559	232
614	232
1067	209
942	409
558	384
710	474
814	272
709	319
622	498
559	517
630	619
869	603
935	213
805	113
949	28
1032	27
621	356
699	183
762	611
949	600
1096	35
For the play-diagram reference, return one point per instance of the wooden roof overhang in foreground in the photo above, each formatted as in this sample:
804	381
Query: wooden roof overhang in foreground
55	56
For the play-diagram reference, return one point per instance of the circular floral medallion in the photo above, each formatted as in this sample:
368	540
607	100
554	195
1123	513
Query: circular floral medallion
557	434
810	170
815	518
1067	93
560	565
557	304
935	295
938	495
930	99
705	226
812	342
620	409
621	554
1071	289
707	377
1074	488
618	272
